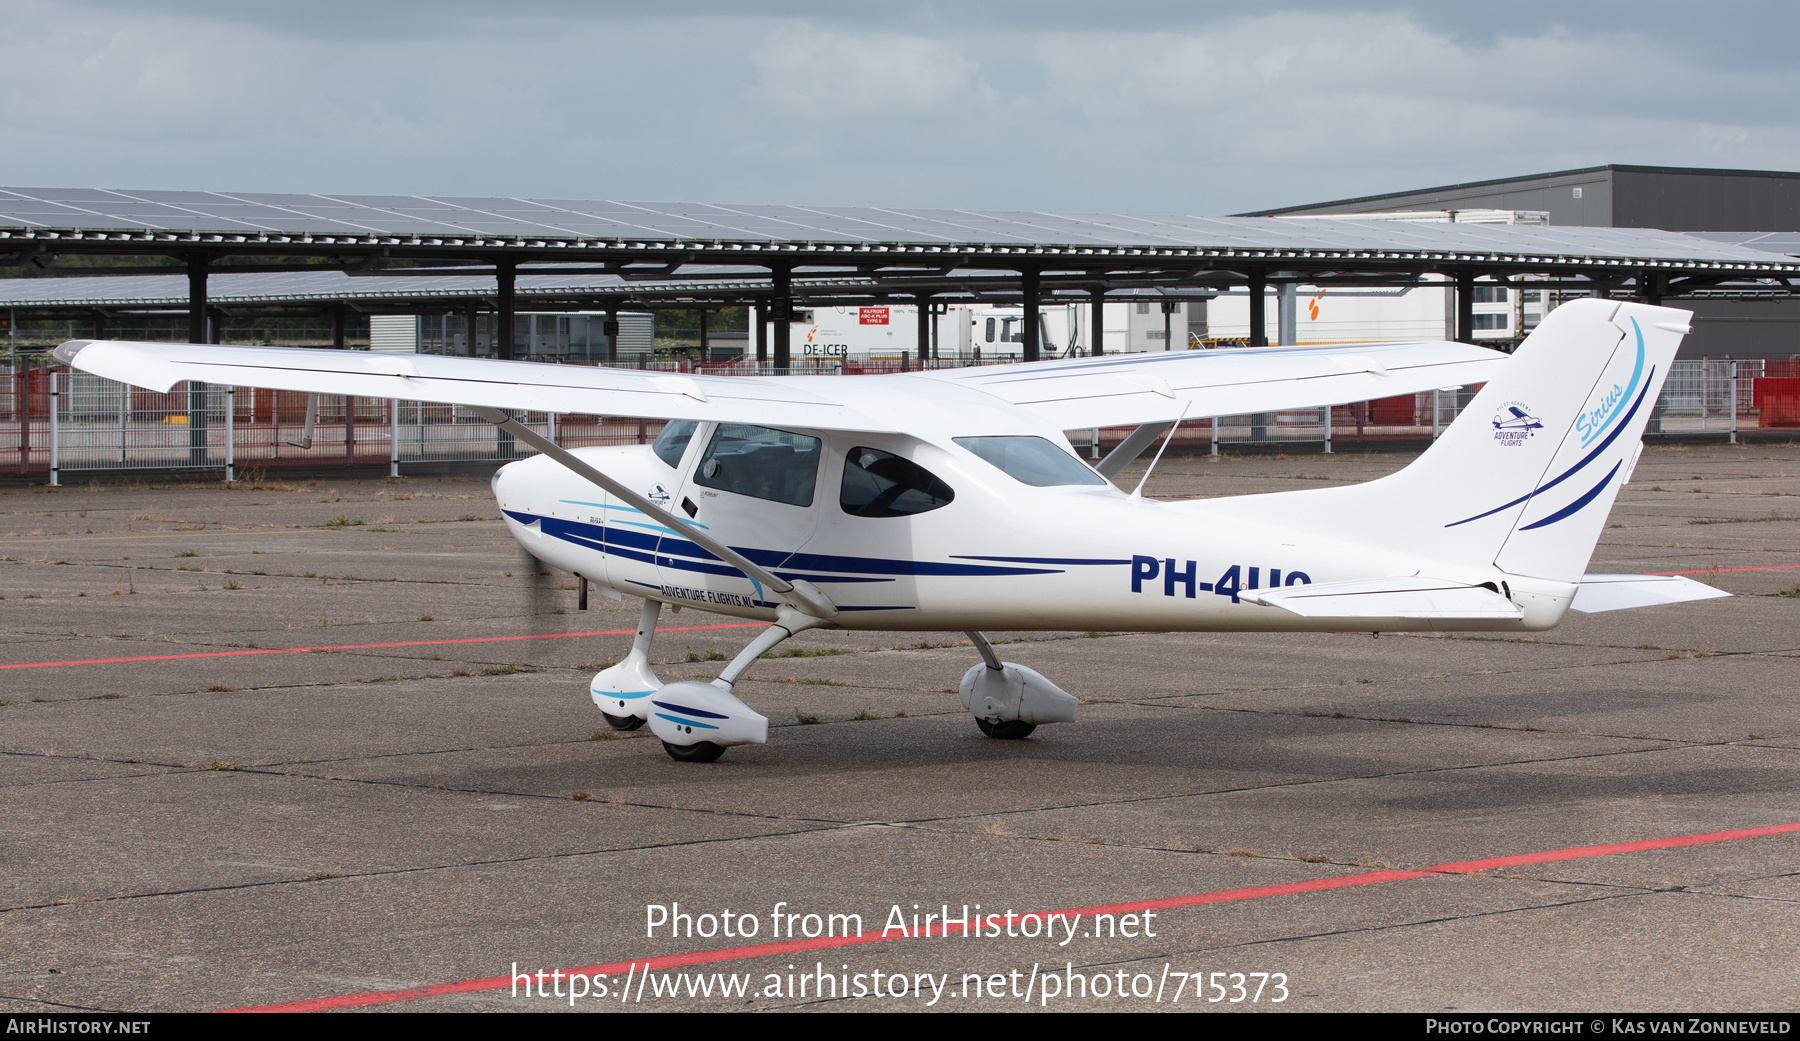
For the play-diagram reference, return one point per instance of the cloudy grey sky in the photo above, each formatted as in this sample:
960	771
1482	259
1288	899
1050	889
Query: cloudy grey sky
1145	107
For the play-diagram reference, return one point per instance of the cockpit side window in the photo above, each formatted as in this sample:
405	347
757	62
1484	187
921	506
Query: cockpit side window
881	484
1032	460
760	462
671	444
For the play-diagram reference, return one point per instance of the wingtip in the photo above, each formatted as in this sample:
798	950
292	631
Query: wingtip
66	352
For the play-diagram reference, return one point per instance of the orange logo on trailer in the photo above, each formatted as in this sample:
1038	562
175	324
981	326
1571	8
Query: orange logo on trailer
872	316
1313	307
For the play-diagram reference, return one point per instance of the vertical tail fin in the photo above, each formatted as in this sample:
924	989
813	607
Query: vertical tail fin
1525	477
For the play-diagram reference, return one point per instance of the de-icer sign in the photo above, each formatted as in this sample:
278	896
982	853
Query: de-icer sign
872	316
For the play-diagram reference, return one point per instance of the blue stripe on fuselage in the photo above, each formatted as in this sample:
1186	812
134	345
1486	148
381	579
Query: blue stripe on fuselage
669	551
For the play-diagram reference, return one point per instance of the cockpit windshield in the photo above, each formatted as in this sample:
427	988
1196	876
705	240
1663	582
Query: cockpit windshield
1032	460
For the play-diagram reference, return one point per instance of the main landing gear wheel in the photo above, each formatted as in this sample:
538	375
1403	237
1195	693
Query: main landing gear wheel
698	752
1006	730
622	722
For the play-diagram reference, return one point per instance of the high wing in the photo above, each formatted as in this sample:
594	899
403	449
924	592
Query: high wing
533	386
1128	389
1121	390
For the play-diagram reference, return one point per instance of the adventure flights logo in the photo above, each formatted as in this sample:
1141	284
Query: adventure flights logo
1514	423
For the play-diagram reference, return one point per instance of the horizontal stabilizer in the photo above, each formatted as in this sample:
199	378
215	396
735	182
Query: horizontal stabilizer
1414	598
1617	592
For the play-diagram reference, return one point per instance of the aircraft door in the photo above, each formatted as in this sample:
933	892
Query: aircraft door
756	489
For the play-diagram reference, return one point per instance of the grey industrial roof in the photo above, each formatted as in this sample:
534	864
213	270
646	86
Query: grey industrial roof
96	219
1526	179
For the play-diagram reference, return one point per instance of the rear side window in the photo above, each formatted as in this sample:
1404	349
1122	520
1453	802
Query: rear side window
1032	460
672	443
881	484
759	462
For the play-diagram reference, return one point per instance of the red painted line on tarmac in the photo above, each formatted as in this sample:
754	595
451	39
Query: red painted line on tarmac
1223	896
1723	570
369	646
1580	852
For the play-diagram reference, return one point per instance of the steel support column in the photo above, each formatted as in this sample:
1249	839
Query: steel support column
762	331
1259	322
781	314
1287	332
506	274
1097	321
337	327
1028	294
197	391
1259	337
1465	306
705	351
924	323
609	328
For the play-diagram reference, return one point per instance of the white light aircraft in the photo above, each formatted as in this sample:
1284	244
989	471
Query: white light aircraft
951	499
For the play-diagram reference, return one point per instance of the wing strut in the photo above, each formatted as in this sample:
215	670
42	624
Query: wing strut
1129	449
807	597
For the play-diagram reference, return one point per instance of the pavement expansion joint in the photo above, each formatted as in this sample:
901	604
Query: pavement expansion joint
1522	729
140	568
415	870
266	770
1311	782
1387	927
64	1004
85	780
1743	896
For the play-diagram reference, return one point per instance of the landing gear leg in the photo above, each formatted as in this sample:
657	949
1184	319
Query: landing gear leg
623	691
1008	700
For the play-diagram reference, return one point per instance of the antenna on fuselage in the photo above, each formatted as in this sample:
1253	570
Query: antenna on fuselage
1138	492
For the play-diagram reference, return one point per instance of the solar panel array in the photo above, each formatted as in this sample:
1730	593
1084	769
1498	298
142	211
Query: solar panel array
303	287
484	220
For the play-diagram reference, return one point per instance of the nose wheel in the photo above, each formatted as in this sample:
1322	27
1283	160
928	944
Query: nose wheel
622	722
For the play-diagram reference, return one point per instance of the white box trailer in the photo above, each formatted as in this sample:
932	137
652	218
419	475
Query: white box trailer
964	331
1137	324
1424	312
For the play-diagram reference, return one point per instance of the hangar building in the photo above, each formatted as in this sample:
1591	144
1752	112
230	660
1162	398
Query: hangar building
1744	207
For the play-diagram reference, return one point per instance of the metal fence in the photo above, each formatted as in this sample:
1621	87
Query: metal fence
53	421
59	422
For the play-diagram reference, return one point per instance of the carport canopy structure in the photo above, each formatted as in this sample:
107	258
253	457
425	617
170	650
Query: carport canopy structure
622	254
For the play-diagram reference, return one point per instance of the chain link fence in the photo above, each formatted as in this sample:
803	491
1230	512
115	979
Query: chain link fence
56	422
